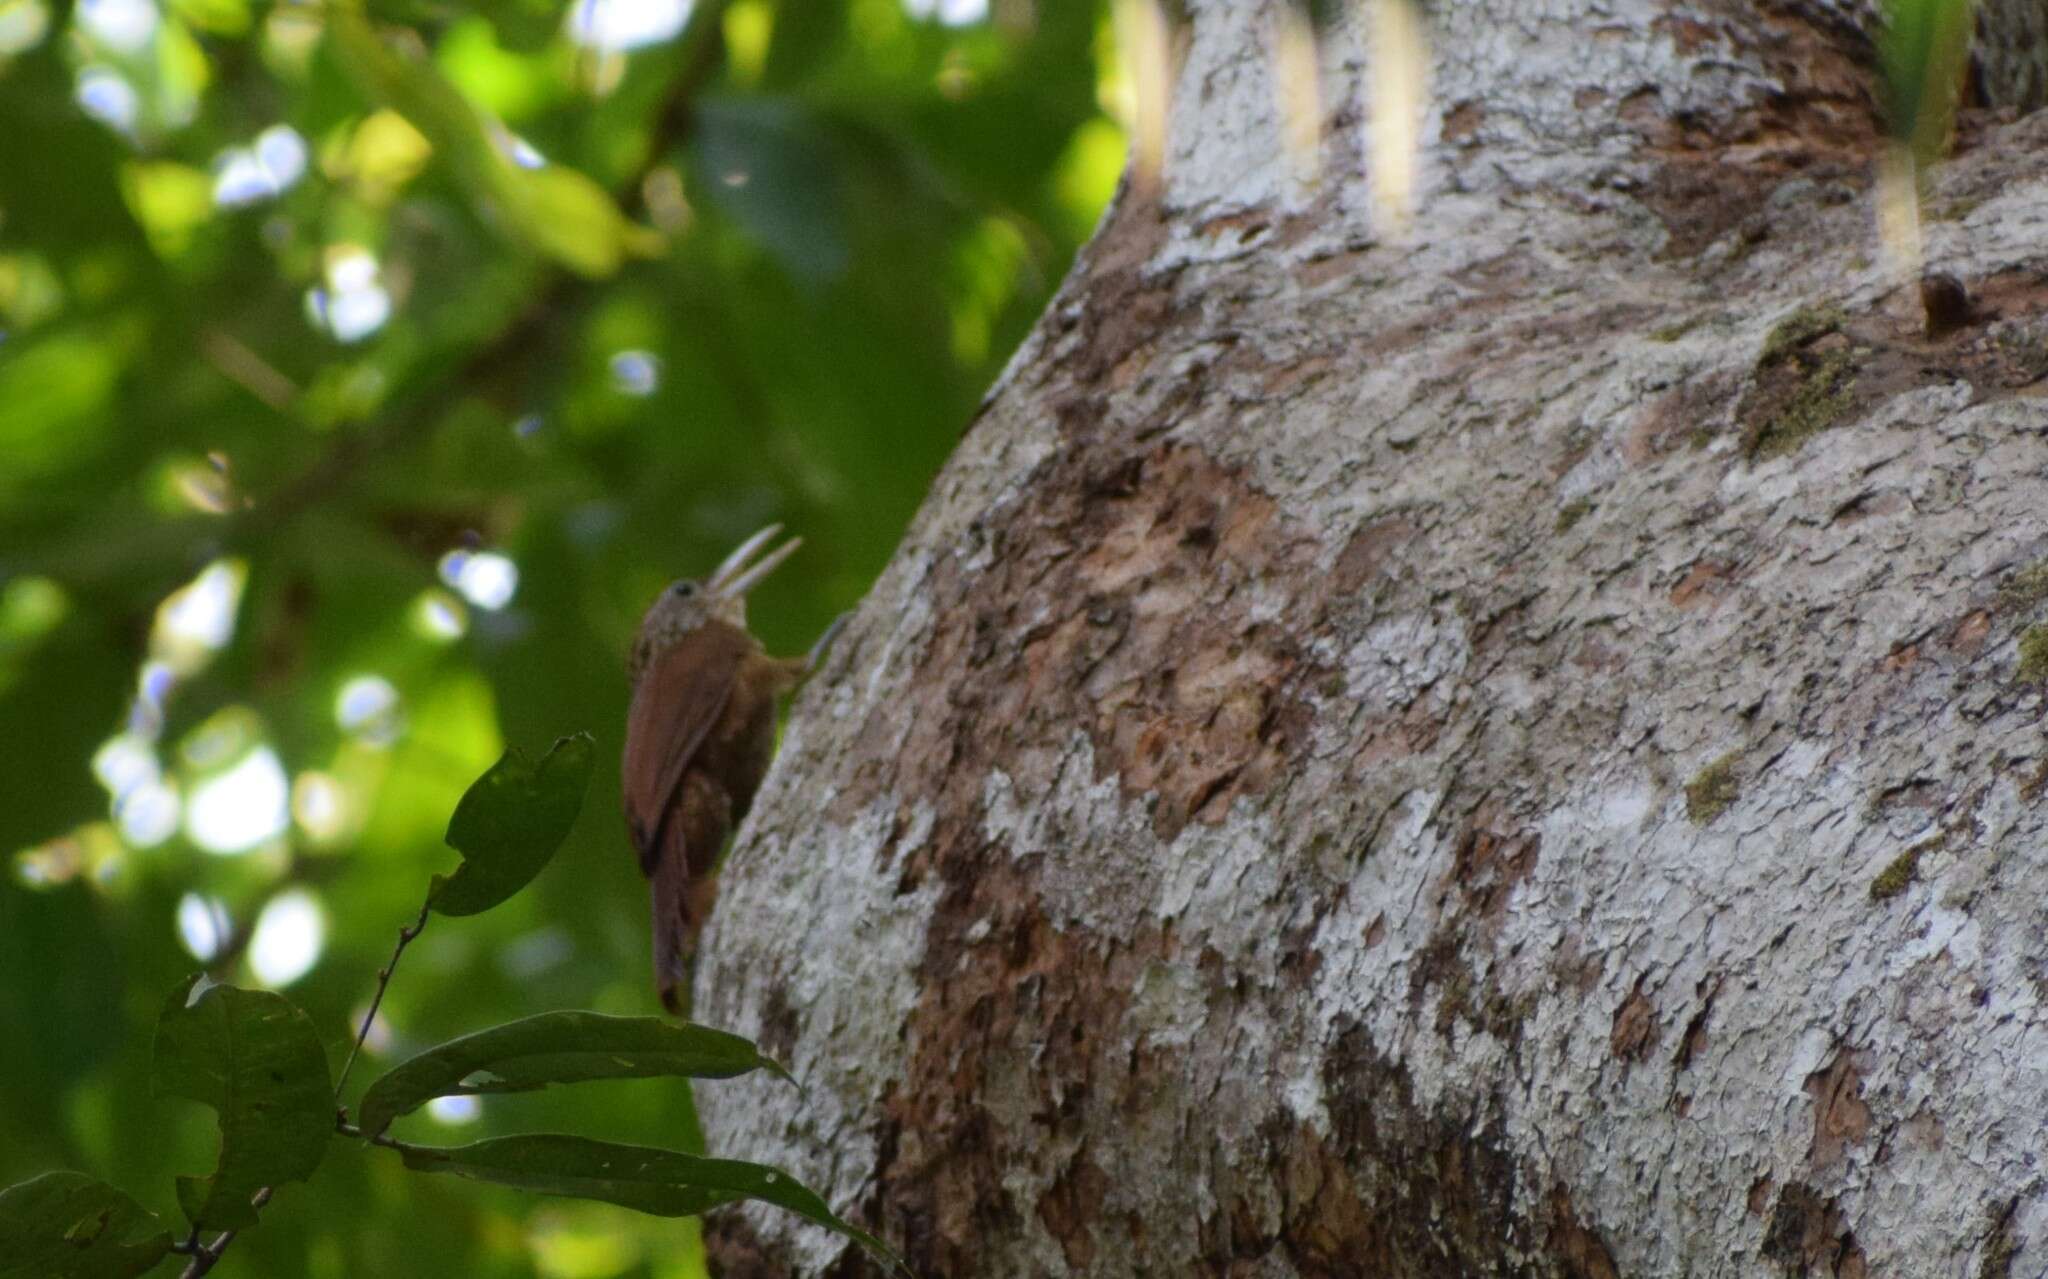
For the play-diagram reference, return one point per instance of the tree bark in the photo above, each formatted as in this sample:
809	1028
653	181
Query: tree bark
1514	750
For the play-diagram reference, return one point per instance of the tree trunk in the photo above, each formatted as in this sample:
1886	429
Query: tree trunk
1513	750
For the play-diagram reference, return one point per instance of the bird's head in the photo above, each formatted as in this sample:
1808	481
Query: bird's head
691	602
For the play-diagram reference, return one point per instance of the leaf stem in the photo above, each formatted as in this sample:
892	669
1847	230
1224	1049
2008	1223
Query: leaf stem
384	1139
405	936
206	1256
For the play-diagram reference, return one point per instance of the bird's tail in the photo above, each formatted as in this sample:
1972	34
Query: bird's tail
682	902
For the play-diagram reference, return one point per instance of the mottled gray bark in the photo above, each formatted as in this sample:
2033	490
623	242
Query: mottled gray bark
1515	750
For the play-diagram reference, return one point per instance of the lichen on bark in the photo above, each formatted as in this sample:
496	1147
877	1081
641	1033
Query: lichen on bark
1248	830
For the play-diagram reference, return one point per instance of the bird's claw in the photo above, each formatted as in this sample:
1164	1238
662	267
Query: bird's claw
816	656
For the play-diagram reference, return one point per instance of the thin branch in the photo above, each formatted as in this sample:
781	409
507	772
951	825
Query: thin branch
242	366
701	54
205	1258
385	1140
511	347
405	936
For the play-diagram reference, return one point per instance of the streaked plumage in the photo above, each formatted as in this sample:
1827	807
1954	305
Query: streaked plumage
699	737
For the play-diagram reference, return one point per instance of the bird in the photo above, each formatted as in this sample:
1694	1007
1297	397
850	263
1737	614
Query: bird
700	734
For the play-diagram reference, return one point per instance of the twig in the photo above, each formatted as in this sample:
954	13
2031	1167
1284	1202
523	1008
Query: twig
254	374
206	1256
385	1140
511	347
405	936
701	52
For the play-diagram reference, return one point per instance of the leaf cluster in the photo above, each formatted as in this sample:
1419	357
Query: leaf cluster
256	1060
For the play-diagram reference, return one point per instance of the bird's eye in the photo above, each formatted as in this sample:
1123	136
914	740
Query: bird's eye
686	589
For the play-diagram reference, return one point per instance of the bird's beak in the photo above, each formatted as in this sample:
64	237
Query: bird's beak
733	579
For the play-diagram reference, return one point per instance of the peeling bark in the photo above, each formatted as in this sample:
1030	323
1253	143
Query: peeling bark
1393	757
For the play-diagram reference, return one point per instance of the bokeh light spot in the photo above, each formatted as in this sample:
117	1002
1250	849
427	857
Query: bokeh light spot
354	303
238	809
519	151
439	616
636	373
124	764
125	26
367	706
456	1110
154	681
246	175
93	849
203	926
153	685
221	738
199	618
49	864
614	26
320	806
289	936
199	487
106	96
951	13
23	24
484	578
148	814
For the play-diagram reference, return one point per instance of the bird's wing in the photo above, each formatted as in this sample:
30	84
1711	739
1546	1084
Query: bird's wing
679	699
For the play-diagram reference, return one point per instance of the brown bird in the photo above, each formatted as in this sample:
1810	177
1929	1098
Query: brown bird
699	737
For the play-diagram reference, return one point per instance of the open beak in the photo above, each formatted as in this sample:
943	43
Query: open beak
733	579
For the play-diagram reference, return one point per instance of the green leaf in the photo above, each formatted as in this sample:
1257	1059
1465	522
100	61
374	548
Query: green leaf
570	218
511	822
666	1183
54	399
216	17
66	1225
257	1060
557	210
558	1048
409	84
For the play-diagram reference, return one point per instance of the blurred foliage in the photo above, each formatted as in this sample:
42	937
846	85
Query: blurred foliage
365	370
1924	54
